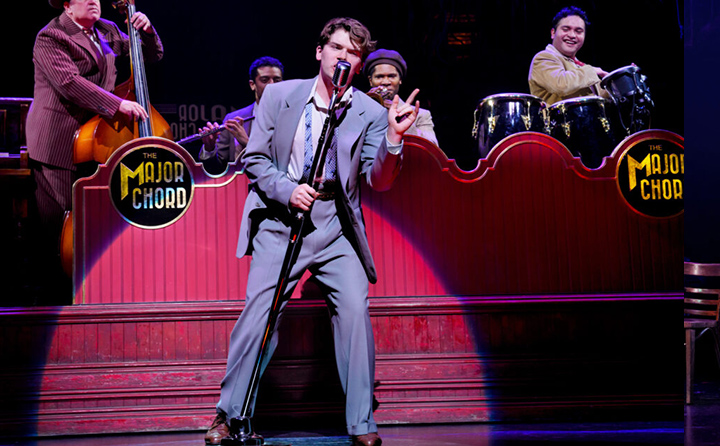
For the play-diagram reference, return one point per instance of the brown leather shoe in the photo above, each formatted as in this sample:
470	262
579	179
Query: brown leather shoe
218	430
371	439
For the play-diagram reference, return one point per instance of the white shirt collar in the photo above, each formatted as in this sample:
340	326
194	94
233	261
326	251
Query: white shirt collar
319	103
80	27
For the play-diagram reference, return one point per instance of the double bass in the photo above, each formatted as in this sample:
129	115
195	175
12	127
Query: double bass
98	138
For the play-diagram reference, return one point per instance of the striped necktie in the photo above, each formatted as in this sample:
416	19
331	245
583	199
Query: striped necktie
309	152
90	34
331	164
331	157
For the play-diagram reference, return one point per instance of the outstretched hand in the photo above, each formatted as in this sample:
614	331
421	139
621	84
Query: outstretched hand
401	116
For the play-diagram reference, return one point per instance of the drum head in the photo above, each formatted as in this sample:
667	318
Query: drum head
630	69
621	76
509	97
574	102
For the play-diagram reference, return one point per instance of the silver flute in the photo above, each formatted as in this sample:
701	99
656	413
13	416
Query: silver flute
200	135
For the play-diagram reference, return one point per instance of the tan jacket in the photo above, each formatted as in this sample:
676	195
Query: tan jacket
423	127
554	77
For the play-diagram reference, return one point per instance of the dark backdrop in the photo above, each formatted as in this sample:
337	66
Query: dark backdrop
458	52
702	99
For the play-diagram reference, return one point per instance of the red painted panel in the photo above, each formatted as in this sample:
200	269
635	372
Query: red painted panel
529	219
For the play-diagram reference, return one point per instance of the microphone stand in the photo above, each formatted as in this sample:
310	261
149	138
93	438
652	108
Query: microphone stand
241	432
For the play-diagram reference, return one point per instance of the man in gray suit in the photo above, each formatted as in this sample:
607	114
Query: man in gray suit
288	123
386	70
227	146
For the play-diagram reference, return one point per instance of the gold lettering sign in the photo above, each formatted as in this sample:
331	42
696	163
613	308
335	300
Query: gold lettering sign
151	187
650	177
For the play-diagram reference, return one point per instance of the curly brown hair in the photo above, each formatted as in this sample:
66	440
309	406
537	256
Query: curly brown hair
358	34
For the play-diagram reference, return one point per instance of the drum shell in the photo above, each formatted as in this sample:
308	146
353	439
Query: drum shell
587	126
628	90
501	115
621	87
625	83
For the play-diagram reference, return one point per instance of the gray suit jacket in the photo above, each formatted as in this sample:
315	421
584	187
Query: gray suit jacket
362	151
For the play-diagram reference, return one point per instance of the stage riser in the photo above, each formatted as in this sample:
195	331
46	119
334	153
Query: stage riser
130	368
526	289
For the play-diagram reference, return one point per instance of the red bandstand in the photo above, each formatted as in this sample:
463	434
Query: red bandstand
530	288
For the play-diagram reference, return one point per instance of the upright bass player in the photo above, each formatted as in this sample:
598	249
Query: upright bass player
74	57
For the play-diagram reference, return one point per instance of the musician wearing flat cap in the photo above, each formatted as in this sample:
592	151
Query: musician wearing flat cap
556	73
386	70
74	58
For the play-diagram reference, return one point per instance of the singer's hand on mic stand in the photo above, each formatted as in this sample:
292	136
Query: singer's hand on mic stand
401	116
302	197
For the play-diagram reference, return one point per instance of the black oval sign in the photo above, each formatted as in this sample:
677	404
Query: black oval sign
151	187
650	177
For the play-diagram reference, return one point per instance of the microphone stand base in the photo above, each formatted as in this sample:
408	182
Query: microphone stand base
253	440
241	434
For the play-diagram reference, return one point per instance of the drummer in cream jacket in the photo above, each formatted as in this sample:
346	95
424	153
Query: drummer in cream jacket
556	73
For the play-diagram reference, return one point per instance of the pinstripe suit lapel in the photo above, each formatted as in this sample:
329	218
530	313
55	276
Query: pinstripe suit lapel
108	62
76	35
104	61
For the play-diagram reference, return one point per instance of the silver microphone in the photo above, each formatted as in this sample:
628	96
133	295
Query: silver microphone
341	74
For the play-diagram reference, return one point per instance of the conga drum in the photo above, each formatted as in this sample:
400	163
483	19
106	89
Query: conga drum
586	126
501	115
628	90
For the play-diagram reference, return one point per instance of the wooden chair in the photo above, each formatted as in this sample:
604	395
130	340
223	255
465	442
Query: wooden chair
701	314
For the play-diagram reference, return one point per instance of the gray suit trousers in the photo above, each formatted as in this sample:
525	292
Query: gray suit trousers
334	263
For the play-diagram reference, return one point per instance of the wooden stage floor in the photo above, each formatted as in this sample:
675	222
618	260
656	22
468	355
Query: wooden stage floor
634	433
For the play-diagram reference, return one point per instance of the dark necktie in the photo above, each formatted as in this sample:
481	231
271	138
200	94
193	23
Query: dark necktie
331	164
331	157
97	46
308	144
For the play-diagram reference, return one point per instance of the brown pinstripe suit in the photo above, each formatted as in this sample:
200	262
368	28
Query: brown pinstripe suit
73	80
72	85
